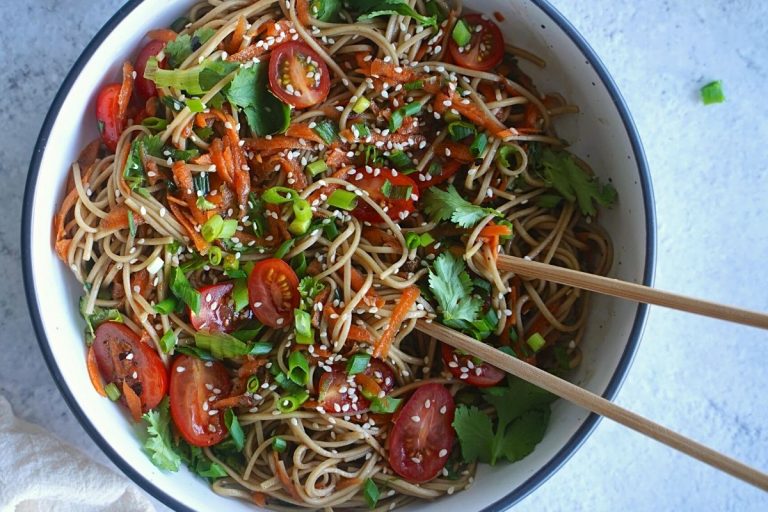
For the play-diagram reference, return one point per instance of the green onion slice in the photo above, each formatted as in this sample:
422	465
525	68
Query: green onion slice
343	199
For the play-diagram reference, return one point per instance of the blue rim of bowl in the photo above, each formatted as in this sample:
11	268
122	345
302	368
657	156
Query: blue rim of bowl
507	501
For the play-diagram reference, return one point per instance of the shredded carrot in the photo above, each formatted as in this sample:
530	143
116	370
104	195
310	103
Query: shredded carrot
117	218
126	89
357	333
303	131
471	112
133	401
357	281
302	12
456	151
381	69
493	229
347	482
162	34
200	244
182	176
259	499
368	384
93	372
276	142
217	157
408	299
282	476
231	402
237	36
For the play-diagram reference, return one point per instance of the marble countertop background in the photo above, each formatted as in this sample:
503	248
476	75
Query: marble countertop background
704	378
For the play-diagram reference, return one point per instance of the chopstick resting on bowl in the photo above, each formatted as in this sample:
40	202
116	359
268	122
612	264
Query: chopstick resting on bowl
630	291
593	402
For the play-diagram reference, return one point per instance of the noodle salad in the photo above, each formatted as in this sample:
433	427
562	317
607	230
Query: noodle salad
280	191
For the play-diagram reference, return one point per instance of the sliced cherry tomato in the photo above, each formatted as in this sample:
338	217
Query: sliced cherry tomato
398	206
486	47
195	384
482	375
146	89
342	394
441	170
273	292
122	357
108	115
297	75
216	309
422	438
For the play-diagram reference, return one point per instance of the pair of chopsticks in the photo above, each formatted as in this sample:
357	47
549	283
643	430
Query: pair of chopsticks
587	399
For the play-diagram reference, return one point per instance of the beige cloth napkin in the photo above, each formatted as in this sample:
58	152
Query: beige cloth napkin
41	473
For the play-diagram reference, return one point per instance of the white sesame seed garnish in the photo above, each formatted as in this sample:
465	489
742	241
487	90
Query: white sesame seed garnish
180	369
415	419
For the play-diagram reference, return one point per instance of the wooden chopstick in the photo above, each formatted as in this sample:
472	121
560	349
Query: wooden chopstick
631	291
593	403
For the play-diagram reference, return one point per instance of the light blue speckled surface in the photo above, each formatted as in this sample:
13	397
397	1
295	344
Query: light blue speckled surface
704	378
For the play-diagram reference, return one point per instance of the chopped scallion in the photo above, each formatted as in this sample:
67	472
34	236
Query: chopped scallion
112	391
371	493
536	341
478	145
303	327
284	248
459	130
317	167
358	363
279	444
298	368
252	386
326	130
413	86
461	34
166	306
290	403
168	341
361	105
195	105
400	160
214	255
342	199
713	93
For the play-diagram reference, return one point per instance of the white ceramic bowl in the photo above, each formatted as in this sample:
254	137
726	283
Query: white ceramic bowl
603	134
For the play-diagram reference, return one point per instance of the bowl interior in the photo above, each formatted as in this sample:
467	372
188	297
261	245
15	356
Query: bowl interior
601	133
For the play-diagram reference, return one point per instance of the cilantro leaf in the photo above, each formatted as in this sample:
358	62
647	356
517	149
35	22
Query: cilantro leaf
452	288
158	444
522	412
449	205
178	50
197	462
370	9
563	174
265	113
475	433
96	318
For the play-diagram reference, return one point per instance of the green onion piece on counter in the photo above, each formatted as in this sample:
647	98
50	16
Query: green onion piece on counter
385	405
279	444
342	199
278	195
361	105
358	363
168	341
214	255
400	160
461	34
155	124
536	341
253	384
303	327
112	392
240	294
317	167
371	493
478	145
290	403
713	93
195	105
235	430
166	306
284	248
183	290
326	130
459	130
302	213
413	86
298	368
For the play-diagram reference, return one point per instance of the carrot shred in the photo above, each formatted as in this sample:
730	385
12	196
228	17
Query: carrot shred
303	131
200	244
357	281
408	299
471	112
277	142
302	12
133	401
217	157
493	229
162	34
182	177
379	68
126	89
458	151
237	36
93	372
347	482
282	476
357	333
117	218
368	384
259	499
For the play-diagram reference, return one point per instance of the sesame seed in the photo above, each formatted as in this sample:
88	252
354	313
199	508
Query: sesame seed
180	369
415	419
443	409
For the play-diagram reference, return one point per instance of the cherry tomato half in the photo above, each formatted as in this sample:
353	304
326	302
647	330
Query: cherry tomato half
273	292
297	75
482	375
108	115
122	357
216	309
486	47
338	395
398	206
191	399
146	89
444	168
422	438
